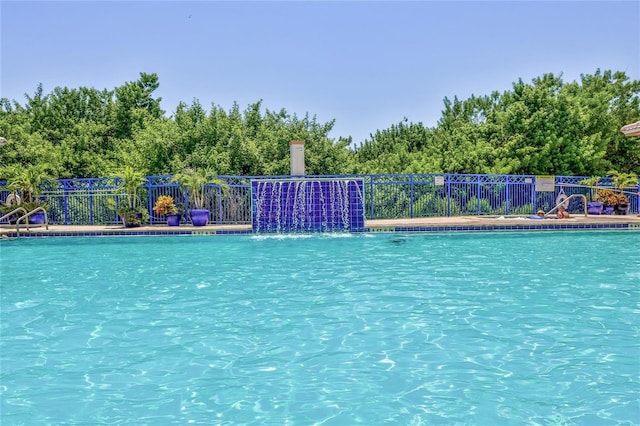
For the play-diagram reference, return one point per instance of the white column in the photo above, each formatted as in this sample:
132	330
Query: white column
296	152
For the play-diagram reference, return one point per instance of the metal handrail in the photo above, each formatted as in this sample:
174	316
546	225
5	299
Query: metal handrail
11	213
27	215
584	199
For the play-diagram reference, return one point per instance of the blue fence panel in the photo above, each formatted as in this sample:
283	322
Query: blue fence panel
96	200
428	196
82	201
388	196
234	205
521	195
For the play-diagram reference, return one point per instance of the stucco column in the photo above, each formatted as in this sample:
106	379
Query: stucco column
296	152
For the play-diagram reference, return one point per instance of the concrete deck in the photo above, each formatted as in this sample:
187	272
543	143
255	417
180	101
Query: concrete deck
427	224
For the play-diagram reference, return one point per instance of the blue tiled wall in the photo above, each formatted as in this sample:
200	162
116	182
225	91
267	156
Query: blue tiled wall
307	205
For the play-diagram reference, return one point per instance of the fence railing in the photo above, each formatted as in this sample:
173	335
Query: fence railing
96	200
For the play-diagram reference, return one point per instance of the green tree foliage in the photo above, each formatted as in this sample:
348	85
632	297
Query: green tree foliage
235	142
154	148
543	127
546	127
71	129
134	103
403	147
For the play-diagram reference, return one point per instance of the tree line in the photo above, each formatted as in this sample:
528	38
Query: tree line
547	127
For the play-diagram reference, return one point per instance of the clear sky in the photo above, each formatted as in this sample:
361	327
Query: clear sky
366	64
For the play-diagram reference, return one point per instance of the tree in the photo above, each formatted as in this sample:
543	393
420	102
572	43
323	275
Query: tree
134	102
546	126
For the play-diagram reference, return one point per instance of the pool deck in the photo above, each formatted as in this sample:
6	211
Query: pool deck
427	224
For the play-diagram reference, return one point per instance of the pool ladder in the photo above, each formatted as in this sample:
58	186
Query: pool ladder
563	202
25	217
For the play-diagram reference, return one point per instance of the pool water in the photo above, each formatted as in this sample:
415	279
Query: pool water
424	329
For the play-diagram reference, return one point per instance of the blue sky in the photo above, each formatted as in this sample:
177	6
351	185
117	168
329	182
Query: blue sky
365	64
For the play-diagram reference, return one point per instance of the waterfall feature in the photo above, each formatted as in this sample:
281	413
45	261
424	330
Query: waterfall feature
307	205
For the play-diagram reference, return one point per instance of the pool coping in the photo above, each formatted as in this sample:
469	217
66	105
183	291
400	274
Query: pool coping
428	224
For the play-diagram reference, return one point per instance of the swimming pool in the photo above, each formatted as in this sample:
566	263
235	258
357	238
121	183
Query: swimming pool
461	328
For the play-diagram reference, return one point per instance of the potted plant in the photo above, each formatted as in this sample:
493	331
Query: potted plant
608	198
593	206
197	182
131	212
165	206
623	181
26	183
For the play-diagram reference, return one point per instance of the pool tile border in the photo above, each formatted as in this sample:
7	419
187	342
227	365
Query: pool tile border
126	233
366	229
489	228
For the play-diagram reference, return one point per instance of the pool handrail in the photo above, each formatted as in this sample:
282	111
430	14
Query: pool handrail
584	199
12	212
26	217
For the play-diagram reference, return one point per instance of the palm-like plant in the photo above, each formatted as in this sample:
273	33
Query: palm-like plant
28	181
624	180
591	183
196	181
131	180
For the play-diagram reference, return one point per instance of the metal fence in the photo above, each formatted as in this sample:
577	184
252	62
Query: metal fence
96	200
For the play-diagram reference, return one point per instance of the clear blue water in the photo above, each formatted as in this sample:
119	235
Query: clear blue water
432	329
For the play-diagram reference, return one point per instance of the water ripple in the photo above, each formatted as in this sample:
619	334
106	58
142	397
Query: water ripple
437	329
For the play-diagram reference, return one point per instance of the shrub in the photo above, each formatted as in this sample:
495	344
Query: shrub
165	205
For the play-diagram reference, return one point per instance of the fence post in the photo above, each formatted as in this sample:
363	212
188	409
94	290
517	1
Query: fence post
220	204
65	203
479	195
150	201
411	200
507	193
114	187
372	197
90	201
448	177
533	194
638	198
